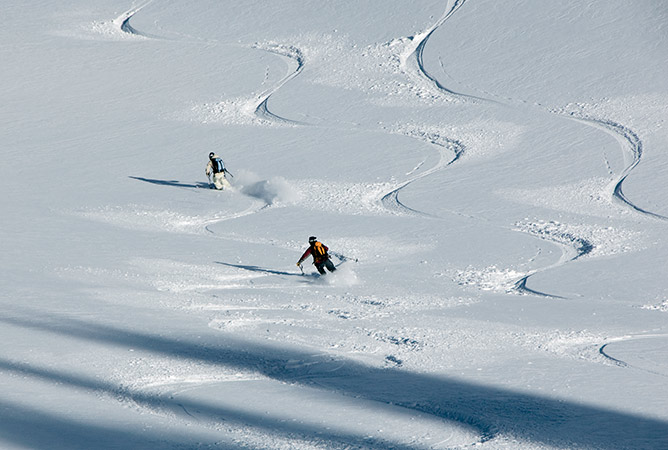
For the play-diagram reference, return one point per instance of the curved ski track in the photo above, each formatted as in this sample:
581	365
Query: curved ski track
391	200
632	144
630	141
570	244
260	108
123	21
627	137
415	56
618	362
422	39
252	210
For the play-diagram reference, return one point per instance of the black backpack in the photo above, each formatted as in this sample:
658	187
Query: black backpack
217	165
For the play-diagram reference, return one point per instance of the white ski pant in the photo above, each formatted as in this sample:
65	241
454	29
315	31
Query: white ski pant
220	181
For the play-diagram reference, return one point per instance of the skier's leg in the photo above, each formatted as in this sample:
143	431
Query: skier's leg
330	265
217	180
321	268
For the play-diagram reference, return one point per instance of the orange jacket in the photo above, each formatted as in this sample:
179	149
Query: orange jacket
317	259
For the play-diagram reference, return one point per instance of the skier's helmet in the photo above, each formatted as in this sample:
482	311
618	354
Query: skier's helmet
312	239
211	155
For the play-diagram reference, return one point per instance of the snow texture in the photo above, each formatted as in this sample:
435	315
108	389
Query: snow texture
489	177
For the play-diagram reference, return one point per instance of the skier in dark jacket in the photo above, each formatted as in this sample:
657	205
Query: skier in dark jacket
216	167
320	256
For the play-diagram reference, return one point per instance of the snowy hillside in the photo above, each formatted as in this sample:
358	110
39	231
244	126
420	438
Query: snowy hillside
489	177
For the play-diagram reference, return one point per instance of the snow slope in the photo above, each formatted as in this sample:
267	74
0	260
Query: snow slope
490	175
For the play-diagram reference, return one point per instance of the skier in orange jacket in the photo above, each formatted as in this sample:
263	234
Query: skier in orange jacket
320	256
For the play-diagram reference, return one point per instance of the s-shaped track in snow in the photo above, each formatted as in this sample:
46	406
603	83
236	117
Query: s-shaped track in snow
413	66
412	60
630	141
631	144
391	200
261	109
259	103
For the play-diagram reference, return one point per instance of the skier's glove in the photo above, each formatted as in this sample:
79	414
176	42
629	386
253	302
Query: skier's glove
299	264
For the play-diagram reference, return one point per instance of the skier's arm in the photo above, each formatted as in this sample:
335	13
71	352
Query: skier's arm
209	166
304	256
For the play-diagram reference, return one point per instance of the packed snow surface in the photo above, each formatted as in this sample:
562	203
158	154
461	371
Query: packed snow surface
490	178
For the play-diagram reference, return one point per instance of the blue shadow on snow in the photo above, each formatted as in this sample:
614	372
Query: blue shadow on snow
175	183
488	410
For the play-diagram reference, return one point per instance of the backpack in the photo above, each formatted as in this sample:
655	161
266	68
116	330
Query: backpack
319	250
217	165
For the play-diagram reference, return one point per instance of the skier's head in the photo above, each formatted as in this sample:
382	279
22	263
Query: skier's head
211	155
312	240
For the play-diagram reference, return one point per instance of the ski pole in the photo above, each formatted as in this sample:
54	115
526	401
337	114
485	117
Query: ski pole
343	257
227	171
300	268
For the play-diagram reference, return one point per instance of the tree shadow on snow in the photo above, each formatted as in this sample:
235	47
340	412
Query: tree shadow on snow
175	183
30	427
71	435
490	411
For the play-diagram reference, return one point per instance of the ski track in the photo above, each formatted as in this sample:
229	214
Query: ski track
391	200
417	69
627	138
261	109
616	361
605	352
138	217
412	60
631	143
122	22
521	286
574	247
251	210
